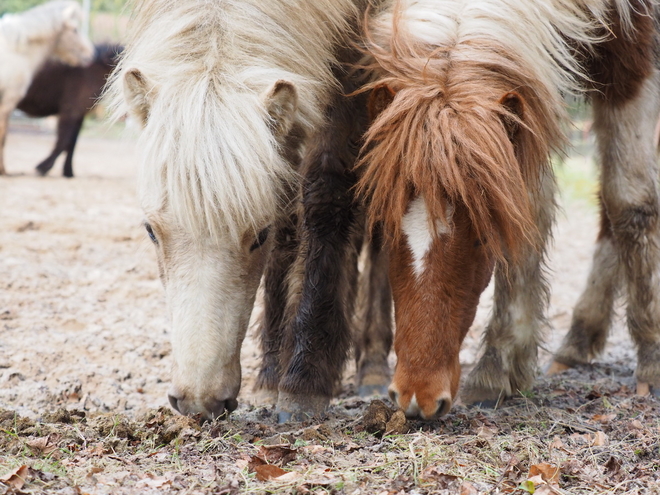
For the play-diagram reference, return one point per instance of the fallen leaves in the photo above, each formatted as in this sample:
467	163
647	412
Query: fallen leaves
16	478
42	445
543	479
264	464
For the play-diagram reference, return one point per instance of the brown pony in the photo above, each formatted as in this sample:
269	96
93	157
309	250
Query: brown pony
467	109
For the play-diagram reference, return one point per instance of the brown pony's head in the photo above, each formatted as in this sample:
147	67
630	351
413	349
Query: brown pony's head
455	147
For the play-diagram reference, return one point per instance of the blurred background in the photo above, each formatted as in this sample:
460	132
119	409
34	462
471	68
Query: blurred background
106	23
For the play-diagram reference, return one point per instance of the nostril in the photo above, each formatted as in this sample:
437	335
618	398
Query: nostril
174	402
231	404
220	409
394	396
444	405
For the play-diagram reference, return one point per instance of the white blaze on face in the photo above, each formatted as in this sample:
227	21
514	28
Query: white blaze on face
415	226
413	410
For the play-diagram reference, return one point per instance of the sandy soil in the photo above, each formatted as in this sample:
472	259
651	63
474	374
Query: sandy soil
83	323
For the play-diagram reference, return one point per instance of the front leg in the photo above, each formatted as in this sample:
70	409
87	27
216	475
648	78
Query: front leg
509	361
318	334
324	276
594	310
373	320
4	125
276	291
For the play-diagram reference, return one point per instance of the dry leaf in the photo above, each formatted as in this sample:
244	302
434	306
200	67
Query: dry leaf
557	444
598	439
316	449
42	445
612	466
468	488
485	432
547	472
16	478
636	424
267	472
277	454
433	474
288	476
604	418
254	463
153	483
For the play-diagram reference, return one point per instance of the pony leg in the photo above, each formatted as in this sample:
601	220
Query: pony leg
593	313
373	321
4	124
509	361
67	132
73	133
318	334
630	195
275	301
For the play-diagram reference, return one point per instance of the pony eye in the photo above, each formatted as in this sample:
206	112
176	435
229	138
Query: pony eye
261	239
150	231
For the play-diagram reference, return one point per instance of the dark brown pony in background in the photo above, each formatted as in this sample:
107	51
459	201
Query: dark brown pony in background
457	170
70	93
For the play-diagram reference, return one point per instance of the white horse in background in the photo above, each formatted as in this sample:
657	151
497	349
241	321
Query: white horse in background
30	38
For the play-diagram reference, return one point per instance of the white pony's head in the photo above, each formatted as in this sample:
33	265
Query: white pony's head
211	187
72	45
225	92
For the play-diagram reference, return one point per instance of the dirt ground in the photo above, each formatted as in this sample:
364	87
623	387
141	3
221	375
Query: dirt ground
85	357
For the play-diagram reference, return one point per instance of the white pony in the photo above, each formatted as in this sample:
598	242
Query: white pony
27	40
227	93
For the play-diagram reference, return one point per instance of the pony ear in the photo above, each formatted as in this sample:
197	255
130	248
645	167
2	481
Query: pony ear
515	111
379	99
137	91
281	101
71	15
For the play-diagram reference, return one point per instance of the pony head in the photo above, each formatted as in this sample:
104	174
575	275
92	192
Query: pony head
72	46
461	132
226	92
210	202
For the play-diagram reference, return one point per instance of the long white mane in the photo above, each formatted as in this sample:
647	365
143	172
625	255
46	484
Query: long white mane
208	149
38	23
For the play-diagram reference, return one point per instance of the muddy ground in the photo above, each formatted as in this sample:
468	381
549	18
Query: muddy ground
84	360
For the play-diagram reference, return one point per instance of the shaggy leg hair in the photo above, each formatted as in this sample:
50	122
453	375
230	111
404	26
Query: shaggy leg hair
593	313
372	334
630	196
509	361
626	105
275	302
318	334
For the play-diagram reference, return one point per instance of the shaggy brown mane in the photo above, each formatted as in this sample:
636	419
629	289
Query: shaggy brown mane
448	136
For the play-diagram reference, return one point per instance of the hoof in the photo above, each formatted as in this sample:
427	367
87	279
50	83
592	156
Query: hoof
300	407
365	391
42	172
647	389
556	367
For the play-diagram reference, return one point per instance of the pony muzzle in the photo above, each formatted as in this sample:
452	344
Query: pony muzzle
210	408
425	408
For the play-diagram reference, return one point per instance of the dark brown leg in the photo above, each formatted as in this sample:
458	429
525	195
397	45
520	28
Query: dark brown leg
67	134
275	300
